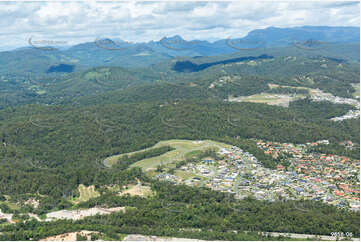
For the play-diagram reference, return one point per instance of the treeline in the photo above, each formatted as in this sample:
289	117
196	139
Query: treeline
125	160
199	213
288	90
308	109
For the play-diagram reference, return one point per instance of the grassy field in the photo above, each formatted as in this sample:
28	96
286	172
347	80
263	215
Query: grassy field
183	149
11	205
270	99
138	190
86	193
313	92
184	175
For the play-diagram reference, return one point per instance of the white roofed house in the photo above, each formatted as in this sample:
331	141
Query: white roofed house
224	151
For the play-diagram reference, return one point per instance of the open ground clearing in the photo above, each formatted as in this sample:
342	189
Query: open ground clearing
137	190
6	216
68	214
138	237
282	86
70	236
267	98
284	99
86	193
183	148
81	213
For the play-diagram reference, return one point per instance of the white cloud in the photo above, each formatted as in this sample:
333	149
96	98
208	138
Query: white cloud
144	21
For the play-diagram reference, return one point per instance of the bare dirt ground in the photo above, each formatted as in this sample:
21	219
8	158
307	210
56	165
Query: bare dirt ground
81	213
68	214
138	237
7	216
137	190
69	236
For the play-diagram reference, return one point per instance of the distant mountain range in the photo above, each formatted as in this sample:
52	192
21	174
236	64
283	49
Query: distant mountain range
260	38
115	52
268	37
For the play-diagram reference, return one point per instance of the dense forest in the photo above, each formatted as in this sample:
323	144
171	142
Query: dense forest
187	212
87	135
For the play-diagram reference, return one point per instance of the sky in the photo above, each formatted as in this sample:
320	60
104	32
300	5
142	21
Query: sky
77	22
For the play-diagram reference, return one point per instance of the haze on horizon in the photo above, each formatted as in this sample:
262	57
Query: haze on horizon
78	22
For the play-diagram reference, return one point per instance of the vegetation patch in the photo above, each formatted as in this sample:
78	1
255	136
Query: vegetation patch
356	86
86	193
124	160
184	175
137	190
181	149
268	98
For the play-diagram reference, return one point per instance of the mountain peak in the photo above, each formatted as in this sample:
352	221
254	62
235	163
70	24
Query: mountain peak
175	37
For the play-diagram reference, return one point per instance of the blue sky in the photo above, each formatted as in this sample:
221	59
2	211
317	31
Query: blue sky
76	22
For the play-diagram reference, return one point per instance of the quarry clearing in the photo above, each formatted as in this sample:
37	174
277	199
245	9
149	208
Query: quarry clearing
81	213
68	214
183	149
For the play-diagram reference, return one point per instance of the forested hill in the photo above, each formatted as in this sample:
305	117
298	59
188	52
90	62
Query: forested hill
118	128
187	66
249	76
